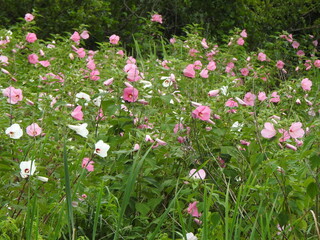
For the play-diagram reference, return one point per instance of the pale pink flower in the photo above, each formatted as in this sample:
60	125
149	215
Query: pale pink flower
268	131
94	75
130	94
300	53
275	97
28	17
4	60
161	142
202	112
88	164
243	33
121	53
204	43
317	63
33	130
81	52
85	34
262	57
31	37
77	113
189	71
192	52
114	39
108	82
306	84
262	96
178	127
133	75
75	37
33	58
211	66
45	63
249	99
240	41
231	103
197	65
156	18
294	148
204	73
285	135
295	44
172	40
315	43
244	142
200	174
136	147
295	130
193	210
280	64
213	93
91	65
14	95
244	71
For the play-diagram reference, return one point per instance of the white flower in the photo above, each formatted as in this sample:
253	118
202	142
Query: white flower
237	126
191	236
14	131
27	168
147	84
224	90
43	179
82	95
101	148
97	101
167	81
80	129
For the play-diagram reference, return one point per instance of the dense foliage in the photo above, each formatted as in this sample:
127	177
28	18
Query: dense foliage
209	142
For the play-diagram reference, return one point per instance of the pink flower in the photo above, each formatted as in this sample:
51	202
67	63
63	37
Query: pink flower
244	142
33	58
317	63
108	82
202	112
94	75
295	130
178	127
231	103
300	53
14	95
243	33
85	34
81	52
189	71
121	53
197	65
75	37
275	97
285	135
294	148
172	40
295	44
213	93
28	17
280	64
193	210
31	37
268	131
262	57
114	39
204	43
33	130
249	99
244	71
200	174
45	63
306	84
130	94
211	66
240	41
204	73
192	52
88	164
77	113
136	147
133	75
262	96
156	18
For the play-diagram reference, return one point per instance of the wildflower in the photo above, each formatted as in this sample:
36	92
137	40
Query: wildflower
200	174
189	71
240	41
295	130
75	37
275	97
262	57
306	84
249	99
231	103
77	113
114	39
108	82
43	179
213	93
88	164
193	210
84	34
262	96
191	236
204	43
27	168
28	17
33	130
82	95
204	73
268	131
211	66
243	33
295	44
130	94
202	112
101	148
31	37
33	58
14	131
156	18
280	64
14	95
80	129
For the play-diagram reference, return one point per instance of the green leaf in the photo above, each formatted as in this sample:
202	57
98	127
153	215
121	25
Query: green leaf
312	189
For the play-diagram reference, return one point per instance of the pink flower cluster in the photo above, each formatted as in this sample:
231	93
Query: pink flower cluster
14	95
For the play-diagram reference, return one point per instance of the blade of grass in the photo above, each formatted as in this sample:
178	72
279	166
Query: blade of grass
226	217
68	191
96	216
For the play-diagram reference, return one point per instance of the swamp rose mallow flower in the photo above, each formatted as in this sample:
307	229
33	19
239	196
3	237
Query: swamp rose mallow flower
31	37
77	113
202	112
191	236
33	58
262	57
189	71
280	64
193	210
101	148
249	99
295	130
130	94
213	93
262	96
33	130
14	95
240	41
200	174
156	18
306	84
28	17
268	131
27	168
14	131
317	63
88	164
114	39
75	37
80	129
